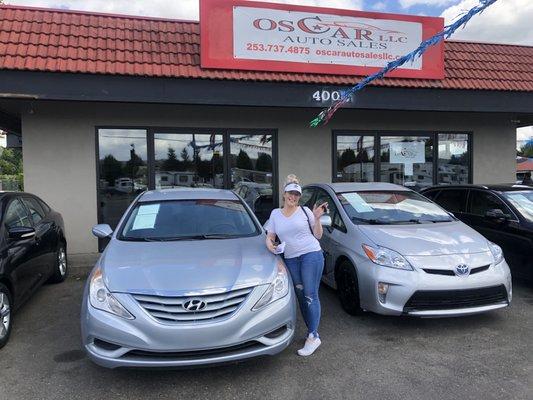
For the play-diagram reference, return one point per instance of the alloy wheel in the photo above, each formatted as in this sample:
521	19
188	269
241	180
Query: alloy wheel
5	315
62	261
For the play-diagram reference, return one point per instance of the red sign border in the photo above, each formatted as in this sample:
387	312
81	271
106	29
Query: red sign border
216	42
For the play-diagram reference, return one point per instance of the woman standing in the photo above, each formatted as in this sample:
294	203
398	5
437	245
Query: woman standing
299	228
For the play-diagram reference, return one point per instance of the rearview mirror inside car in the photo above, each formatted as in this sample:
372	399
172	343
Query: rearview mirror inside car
21	232
102	231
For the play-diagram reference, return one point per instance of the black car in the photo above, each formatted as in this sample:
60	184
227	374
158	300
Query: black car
32	251
502	213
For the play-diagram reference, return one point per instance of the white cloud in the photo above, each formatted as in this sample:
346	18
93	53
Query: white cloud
379	6
506	21
437	3
525	133
179	9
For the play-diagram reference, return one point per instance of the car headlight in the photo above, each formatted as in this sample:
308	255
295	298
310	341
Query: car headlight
101	299
386	257
276	290
497	252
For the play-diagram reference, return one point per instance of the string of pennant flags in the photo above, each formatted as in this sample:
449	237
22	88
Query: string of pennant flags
460	22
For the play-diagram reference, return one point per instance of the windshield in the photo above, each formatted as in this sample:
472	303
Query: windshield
391	207
188	220
522	201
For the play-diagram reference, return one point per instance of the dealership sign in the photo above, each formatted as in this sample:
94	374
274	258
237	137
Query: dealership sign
237	34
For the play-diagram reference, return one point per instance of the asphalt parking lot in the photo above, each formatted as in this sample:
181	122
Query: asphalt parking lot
482	357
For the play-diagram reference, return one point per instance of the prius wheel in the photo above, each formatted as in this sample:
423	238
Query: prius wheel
348	288
61	265
5	315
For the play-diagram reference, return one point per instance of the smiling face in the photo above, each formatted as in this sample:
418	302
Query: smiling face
291	198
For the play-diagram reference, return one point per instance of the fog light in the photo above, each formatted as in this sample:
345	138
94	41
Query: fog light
383	288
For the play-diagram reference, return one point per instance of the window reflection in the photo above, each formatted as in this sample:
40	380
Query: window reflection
251	169
407	160
355	158
123	171
193	160
454	159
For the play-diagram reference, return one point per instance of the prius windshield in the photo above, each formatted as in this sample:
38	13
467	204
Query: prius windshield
523	202
391	207
188	220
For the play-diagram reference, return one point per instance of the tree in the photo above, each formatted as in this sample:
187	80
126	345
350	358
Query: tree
527	149
171	163
132	166
185	158
111	169
347	158
11	168
264	162
243	161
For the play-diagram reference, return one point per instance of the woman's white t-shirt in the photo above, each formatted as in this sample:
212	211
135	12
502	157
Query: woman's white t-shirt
294	231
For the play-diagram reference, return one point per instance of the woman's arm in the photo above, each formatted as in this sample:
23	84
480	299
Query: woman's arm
270	240
318	211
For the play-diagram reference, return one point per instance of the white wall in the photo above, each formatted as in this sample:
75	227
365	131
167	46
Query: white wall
60	162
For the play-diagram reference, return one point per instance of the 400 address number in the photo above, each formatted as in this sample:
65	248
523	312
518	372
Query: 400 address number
328	95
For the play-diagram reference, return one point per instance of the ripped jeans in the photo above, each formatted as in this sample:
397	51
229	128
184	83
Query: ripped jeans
306	271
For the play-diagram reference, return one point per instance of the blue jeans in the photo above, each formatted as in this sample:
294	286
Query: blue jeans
306	271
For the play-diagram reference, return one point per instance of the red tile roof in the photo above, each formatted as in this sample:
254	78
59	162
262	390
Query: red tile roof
34	39
526	165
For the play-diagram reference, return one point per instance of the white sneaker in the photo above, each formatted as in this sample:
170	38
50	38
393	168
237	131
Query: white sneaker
311	344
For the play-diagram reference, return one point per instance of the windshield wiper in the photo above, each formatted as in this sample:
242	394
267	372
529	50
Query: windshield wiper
176	238
371	221
220	236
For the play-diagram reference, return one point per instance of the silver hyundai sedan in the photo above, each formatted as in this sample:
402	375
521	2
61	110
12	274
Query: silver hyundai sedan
186	280
392	251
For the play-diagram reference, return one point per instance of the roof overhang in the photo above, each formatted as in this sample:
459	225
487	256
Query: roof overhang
36	86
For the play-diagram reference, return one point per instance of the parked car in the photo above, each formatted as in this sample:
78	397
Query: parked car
501	213
258	196
185	280
392	251
32	251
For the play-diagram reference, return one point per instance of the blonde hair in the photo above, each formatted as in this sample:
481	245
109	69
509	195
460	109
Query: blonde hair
291	178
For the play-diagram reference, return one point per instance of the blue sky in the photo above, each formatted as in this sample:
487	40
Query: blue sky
506	21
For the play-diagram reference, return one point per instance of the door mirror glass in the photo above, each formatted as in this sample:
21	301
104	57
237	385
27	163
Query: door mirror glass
21	232
325	220
102	231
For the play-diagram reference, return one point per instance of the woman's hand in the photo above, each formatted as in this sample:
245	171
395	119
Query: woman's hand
270	243
319	210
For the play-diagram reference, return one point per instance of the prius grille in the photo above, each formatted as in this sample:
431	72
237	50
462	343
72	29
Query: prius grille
190	309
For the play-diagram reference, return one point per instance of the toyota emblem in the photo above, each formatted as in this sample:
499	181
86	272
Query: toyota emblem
462	270
194	305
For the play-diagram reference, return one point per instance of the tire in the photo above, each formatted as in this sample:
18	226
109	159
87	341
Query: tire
60	265
348	288
6	320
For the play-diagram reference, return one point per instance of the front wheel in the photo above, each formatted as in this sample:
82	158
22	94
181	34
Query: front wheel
348	288
5	314
61	265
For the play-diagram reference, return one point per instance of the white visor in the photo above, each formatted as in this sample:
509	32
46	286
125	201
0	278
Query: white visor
293	187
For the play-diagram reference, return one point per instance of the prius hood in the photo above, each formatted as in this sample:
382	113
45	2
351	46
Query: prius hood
186	267
430	239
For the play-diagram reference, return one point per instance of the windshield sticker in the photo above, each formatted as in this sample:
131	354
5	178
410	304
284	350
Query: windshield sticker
357	202
146	216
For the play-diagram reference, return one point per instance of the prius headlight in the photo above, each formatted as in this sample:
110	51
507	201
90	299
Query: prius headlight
276	290
386	257
101	299
497	252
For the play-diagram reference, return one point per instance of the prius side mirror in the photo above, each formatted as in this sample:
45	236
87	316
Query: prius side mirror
326	221
102	231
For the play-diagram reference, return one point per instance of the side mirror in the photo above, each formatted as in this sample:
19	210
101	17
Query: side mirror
21	233
326	221
102	231
497	214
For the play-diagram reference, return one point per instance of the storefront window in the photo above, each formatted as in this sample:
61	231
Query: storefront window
251	169
454	159
407	160
355	158
123	171
194	160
